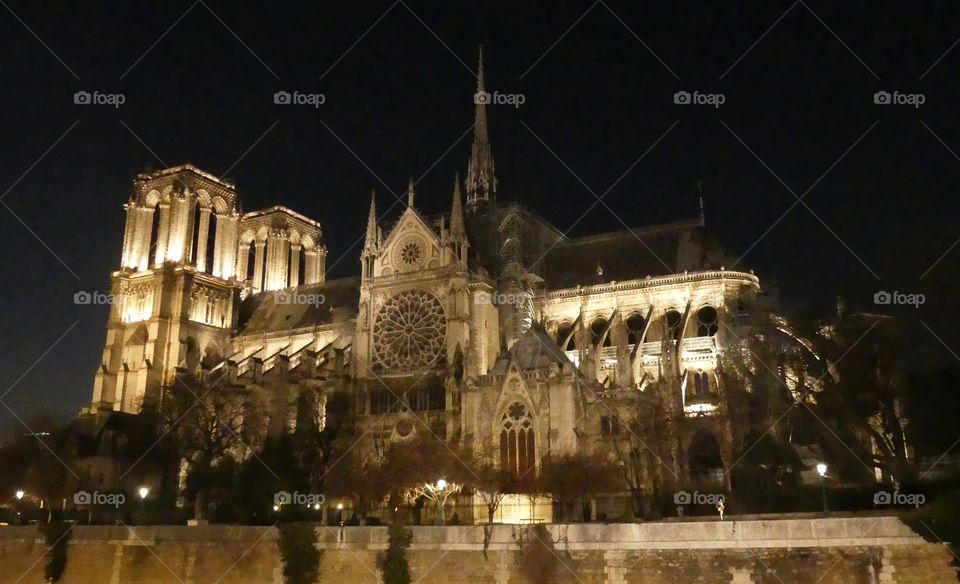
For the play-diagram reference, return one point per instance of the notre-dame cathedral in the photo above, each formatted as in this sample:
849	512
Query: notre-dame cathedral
486	324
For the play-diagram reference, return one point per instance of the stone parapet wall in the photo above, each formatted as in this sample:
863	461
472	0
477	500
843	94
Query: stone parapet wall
859	550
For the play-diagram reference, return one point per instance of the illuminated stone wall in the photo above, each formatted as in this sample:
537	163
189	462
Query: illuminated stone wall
866	550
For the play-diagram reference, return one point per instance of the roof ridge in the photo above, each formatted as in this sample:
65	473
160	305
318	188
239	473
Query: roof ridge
660	227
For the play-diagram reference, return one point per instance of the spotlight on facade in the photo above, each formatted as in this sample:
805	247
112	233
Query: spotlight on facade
19	495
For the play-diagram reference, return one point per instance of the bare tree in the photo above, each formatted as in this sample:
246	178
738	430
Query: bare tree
209	424
356	472
575	476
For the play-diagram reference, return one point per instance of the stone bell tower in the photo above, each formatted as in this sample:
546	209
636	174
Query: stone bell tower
175	296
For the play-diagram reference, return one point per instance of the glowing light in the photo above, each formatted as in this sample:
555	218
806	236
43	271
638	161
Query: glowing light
143	492
441	484
822	469
19	495
700	408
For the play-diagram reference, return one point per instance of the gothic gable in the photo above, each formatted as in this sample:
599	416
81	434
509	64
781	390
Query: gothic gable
535	349
514	390
411	246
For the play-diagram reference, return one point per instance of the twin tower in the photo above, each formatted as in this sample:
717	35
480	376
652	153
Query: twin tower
188	256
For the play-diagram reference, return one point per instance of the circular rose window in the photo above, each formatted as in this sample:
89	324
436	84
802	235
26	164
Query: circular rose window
409	331
409	253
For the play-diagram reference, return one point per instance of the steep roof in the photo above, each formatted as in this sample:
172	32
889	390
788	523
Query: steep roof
292	308
631	254
535	349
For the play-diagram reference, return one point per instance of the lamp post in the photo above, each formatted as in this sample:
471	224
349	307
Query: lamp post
19	495
143	492
822	471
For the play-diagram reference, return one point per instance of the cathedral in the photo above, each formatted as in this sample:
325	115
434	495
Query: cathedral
485	324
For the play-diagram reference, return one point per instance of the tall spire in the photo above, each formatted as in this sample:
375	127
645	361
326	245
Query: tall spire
481	182
410	193
370	245
457	229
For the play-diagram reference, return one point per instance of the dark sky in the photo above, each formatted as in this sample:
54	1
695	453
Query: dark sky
598	81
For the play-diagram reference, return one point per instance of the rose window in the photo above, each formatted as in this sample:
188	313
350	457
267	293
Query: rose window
410	331
410	253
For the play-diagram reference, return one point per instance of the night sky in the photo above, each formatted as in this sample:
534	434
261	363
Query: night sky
598	81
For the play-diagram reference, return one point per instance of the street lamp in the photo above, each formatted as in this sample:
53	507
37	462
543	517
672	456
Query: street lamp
143	492
822	471
19	495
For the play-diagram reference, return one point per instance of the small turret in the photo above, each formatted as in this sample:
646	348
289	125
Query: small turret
371	244
458	231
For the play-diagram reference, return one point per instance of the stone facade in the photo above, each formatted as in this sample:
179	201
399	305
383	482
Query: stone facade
485	324
865	550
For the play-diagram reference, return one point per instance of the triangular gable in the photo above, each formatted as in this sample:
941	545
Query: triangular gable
411	235
535	349
514	389
409	216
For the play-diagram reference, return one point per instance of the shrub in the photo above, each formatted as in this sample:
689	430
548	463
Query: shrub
937	521
393	563
298	550
538	561
56	535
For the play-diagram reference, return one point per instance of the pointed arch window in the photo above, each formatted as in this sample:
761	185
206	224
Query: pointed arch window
564	334
671	325
707	321
197	247
699	383
597	329
154	234
635	326
517	441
